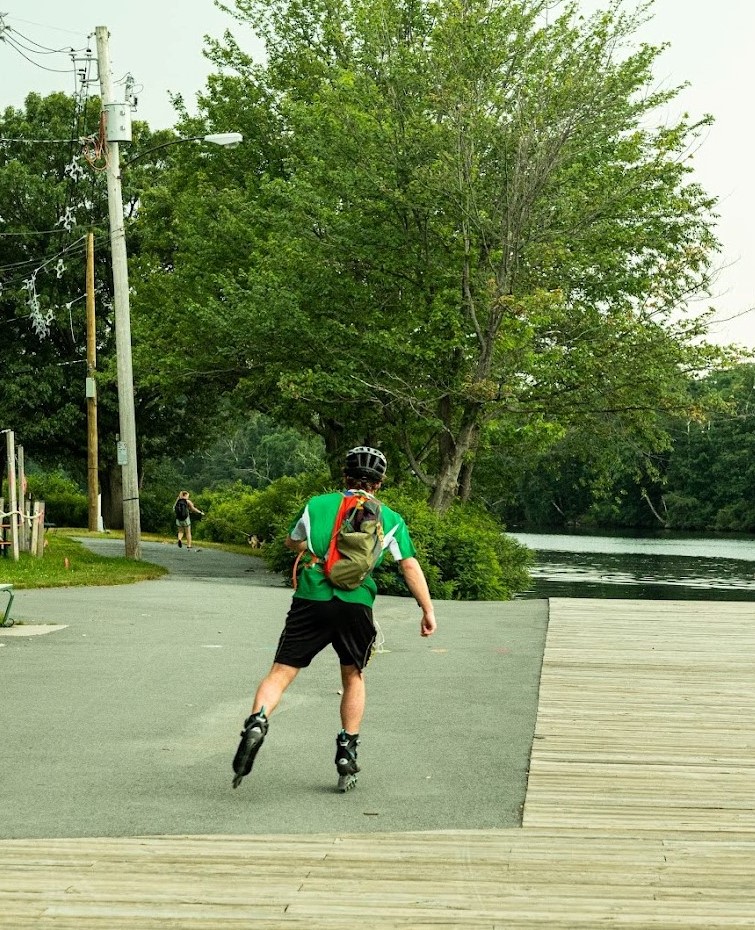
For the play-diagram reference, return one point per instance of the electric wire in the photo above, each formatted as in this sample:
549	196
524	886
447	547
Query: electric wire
21	277
26	271
20	39
43	262
34	232
12	44
30	22
45	141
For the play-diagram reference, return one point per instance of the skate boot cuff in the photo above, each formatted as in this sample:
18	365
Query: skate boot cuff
259	720
346	753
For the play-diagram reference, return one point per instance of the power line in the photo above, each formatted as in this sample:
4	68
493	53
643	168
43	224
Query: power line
34	232
44	26
20	40
5	38
71	250
42	262
51	141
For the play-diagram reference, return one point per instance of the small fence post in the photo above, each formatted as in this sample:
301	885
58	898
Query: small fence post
39	526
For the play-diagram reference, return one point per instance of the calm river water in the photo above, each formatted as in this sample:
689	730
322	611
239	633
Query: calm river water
659	568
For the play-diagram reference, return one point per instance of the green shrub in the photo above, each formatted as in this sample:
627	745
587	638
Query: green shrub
156	513
234	512
735	518
687	513
65	503
464	553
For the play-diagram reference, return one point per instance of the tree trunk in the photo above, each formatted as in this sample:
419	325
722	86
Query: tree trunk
465	481
112	498
453	458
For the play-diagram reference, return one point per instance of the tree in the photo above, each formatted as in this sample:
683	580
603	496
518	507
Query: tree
256	453
710	478
53	193
51	199
465	216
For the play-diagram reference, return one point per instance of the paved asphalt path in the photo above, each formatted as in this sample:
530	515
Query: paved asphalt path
125	722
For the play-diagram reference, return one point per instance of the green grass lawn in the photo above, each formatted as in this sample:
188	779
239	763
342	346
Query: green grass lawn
67	562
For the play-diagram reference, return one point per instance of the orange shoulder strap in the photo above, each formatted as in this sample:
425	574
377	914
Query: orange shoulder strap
333	555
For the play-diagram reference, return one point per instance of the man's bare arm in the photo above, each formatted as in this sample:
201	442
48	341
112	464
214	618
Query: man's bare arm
417	584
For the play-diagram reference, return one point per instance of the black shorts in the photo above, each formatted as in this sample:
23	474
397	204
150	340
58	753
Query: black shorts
312	625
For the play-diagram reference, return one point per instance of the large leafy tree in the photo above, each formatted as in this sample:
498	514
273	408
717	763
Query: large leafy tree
461	214
52	195
47	203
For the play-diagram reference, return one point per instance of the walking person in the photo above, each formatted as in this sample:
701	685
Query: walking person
182	508
322	614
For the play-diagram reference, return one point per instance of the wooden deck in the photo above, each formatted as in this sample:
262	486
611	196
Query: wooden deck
639	814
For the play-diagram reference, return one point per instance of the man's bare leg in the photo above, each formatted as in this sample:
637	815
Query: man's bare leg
352	711
272	686
353	698
266	699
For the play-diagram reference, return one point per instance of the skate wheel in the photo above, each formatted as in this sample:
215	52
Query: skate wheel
346	782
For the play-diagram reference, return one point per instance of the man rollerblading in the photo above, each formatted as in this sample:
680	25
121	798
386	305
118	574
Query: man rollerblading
340	538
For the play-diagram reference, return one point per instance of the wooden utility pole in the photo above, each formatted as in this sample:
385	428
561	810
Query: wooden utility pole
126	407
91	392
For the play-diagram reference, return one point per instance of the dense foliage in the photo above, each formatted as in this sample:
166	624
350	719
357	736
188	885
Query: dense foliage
704	478
450	223
463	231
65	502
54	194
464	552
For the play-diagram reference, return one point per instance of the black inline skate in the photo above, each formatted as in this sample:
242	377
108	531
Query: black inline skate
252	737
346	759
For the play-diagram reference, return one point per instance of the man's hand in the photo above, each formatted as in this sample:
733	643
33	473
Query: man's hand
428	625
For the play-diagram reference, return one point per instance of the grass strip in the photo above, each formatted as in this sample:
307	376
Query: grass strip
67	563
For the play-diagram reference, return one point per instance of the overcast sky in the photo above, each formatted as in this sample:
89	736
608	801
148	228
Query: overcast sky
160	43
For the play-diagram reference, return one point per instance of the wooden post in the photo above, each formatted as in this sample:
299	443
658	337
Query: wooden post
21	506
41	524
12	496
35	530
91	393
27	524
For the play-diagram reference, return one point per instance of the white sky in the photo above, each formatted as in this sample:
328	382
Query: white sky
160	43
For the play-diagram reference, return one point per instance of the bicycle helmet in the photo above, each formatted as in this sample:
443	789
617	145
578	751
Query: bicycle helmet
364	462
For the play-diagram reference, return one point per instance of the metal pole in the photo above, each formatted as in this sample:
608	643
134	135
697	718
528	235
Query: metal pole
91	393
127	416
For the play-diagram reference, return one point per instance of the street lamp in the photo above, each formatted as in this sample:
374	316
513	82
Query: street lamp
118	130
228	140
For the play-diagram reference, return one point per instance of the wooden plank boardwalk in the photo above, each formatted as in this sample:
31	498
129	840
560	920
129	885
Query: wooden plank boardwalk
646	717
639	814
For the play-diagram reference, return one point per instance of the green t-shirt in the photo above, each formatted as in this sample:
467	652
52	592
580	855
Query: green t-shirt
315	523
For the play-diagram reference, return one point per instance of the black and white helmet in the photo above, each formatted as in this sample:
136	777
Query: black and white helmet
364	462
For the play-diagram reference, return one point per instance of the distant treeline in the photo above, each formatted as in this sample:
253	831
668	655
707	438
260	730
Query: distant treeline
704	480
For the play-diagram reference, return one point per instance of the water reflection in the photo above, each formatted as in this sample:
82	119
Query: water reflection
640	567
